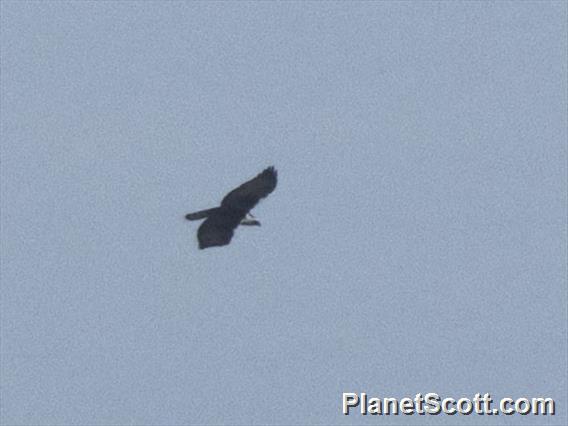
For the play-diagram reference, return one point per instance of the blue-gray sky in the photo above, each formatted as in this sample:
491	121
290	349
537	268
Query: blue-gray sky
416	241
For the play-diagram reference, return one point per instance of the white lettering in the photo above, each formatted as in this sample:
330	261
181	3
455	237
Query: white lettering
349	400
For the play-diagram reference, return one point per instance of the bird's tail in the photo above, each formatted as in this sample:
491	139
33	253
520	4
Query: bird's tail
202	214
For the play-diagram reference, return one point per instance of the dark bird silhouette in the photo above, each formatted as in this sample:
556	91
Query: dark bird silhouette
218	228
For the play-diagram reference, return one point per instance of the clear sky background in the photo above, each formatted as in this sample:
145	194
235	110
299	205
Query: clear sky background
416	241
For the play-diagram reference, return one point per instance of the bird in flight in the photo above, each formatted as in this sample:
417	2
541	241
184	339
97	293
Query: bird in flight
221	222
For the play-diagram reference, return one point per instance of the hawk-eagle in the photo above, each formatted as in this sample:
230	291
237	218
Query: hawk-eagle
218	228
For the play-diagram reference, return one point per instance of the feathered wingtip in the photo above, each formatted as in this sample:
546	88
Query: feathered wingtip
271	171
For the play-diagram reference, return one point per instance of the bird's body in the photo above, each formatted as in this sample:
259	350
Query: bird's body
218	228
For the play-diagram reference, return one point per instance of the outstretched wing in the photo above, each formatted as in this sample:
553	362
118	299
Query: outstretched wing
246	196
215	232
